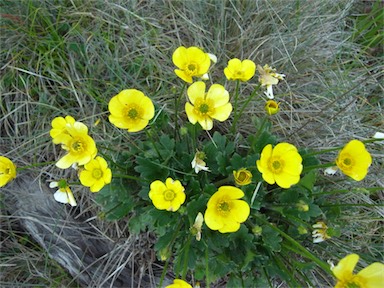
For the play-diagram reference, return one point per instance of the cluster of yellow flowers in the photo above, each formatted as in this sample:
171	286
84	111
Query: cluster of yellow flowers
81	150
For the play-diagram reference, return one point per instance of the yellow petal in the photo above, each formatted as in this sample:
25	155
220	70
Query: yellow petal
206	123
218	95
222	113
286	180
180	57
192	116
373	275
230	226
212	219
183	75
240	210
343	271
196	91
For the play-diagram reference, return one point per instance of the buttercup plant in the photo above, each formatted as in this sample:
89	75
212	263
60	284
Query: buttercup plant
221	205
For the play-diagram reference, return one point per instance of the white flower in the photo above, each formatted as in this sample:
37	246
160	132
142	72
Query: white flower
63	194
196	228
212	57
198	162
320	234
331	170
378	135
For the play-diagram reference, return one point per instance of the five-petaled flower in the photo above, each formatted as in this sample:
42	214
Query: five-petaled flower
280	165
80	146
320	234
7	171
225	211
269	77
242	176
131	110
240	70
205	107
59	131
271	107
371	276
95	174
167	196
192	62
63	194
178	283
354	160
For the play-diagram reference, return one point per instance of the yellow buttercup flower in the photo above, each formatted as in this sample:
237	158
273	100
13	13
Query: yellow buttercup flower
80	146
205	107
225	211
242	176
240	70
59	132
167	196
131	110
192	62
269	77
280	165
354	160
63	194
7	171
371	276
178	283
95	174
271	107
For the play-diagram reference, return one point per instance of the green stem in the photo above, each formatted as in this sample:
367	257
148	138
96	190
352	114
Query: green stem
185	264
248	100
363	190
165	269
207	280
235	117
309	168
338	148
177	103
154	144
129	177
296	245
34	165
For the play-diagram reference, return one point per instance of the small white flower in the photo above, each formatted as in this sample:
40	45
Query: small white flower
212	57
330	171
63	194
205	77
198	162
196	228
378	135
320	234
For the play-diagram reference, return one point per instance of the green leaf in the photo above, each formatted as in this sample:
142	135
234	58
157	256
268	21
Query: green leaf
308	181
150	170
271	238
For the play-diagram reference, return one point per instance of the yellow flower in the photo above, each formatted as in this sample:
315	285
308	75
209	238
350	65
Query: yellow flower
242	177
196	228
224	211
269	77
167	196
240	70
198	162
281	165
177	283
272	107
59	128
95	174
7	171
320	233
63	194
131	110
80	146
354	160
371	276
207	106
192	62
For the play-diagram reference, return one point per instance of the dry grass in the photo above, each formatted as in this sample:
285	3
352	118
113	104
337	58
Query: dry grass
70	57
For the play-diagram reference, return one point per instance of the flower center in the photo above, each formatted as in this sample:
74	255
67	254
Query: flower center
77	146
353	283
191	69
97	173
276	165
242	176
132	112
204	108
169	195
223	207
346	162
